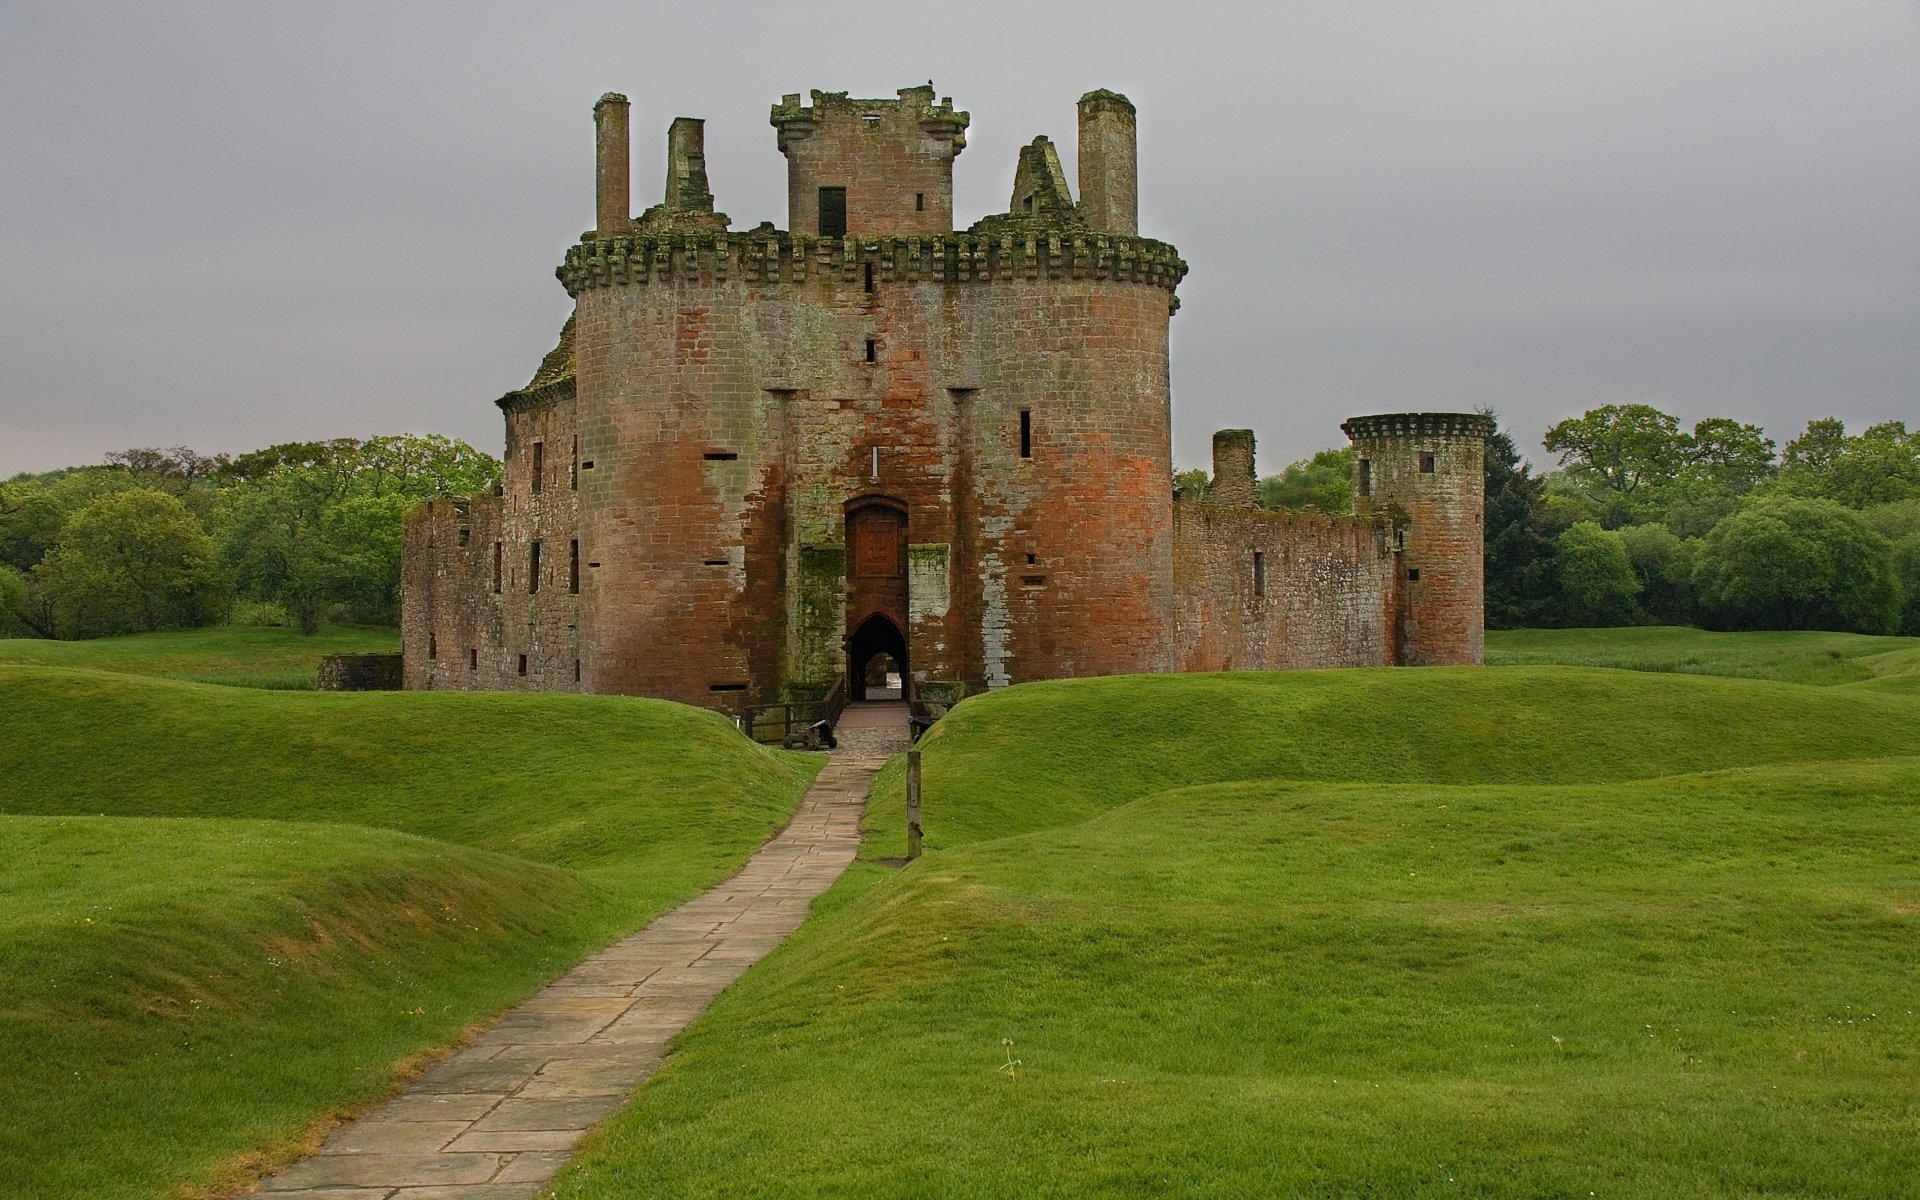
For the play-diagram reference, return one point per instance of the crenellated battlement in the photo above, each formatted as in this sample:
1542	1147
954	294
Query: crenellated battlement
778	257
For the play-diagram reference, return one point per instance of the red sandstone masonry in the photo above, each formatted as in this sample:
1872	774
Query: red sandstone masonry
734	396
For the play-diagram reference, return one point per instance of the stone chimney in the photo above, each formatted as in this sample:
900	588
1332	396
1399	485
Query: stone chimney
613	197
1109	171
1233	485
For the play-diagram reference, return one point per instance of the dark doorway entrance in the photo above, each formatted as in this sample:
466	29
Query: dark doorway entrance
877	597
876	651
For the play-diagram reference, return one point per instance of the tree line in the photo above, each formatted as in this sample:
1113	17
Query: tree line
1647	522
299	533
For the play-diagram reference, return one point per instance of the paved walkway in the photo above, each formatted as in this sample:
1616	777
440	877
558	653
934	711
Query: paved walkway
497	1119
873	727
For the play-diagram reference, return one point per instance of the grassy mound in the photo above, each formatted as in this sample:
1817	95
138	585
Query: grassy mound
242	656
1493	933
1796	657
1107	741
184	996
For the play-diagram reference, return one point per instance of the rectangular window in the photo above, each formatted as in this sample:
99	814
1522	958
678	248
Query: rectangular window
1413	575
539	465
533	567
473	660
1026	433
576	670
573	567
870	350
833	212
466	535
1426	464
433	648
523	664
1259	573
1364	473
496	566
573	472
919	202
869	274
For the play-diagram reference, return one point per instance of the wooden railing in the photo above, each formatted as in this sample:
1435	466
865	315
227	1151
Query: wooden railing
795	725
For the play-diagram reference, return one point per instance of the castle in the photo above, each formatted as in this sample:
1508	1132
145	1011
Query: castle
757	461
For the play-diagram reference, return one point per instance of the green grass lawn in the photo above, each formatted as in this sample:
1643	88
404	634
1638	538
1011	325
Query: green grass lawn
1519	932
1790	657
244	656
230	912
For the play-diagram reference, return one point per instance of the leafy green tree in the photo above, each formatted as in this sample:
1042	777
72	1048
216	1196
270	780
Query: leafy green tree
13	604
1323	482
1519	546
1595	577
1880	465
1622	449
131	562
1906	566
1663	565
1729	456
1192	485
1785	562
314	525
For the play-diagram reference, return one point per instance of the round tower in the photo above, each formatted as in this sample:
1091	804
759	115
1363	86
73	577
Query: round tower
1428	470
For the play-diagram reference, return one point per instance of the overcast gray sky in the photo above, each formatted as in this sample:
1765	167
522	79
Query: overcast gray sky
228	225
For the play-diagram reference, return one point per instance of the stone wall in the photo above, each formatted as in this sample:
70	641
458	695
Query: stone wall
1267	591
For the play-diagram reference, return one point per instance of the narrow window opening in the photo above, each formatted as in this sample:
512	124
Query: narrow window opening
871	121
573	567
919	202
587	465
539	465
726	687
1413	575
430	534
870	350
1365	469
720	456
1026	433
433	648
573	472
714	562
576	670
873	462
473	660
869	277
1033	581
496	566
833	212
1426	464
523	664
1259	573
1030	560
466	535
533	567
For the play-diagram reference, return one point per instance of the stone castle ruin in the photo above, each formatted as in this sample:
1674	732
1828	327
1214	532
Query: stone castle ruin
758	461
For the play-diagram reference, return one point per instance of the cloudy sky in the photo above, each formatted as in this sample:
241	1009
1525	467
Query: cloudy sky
227	225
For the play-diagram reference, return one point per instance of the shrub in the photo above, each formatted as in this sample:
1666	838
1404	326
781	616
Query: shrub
1788	563
1597	583
1663	564
131	562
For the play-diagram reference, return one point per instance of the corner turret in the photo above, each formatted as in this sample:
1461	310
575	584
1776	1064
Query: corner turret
1429	469
870	167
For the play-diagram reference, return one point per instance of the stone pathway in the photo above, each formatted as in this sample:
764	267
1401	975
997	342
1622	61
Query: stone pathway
499	1118
875	728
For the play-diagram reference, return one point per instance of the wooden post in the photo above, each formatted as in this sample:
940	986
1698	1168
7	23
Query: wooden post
913	805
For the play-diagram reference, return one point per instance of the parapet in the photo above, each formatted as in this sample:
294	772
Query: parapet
770	256
870	167
1385	425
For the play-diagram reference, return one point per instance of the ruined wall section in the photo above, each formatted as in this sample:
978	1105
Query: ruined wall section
473	612
1428	467
1265	591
